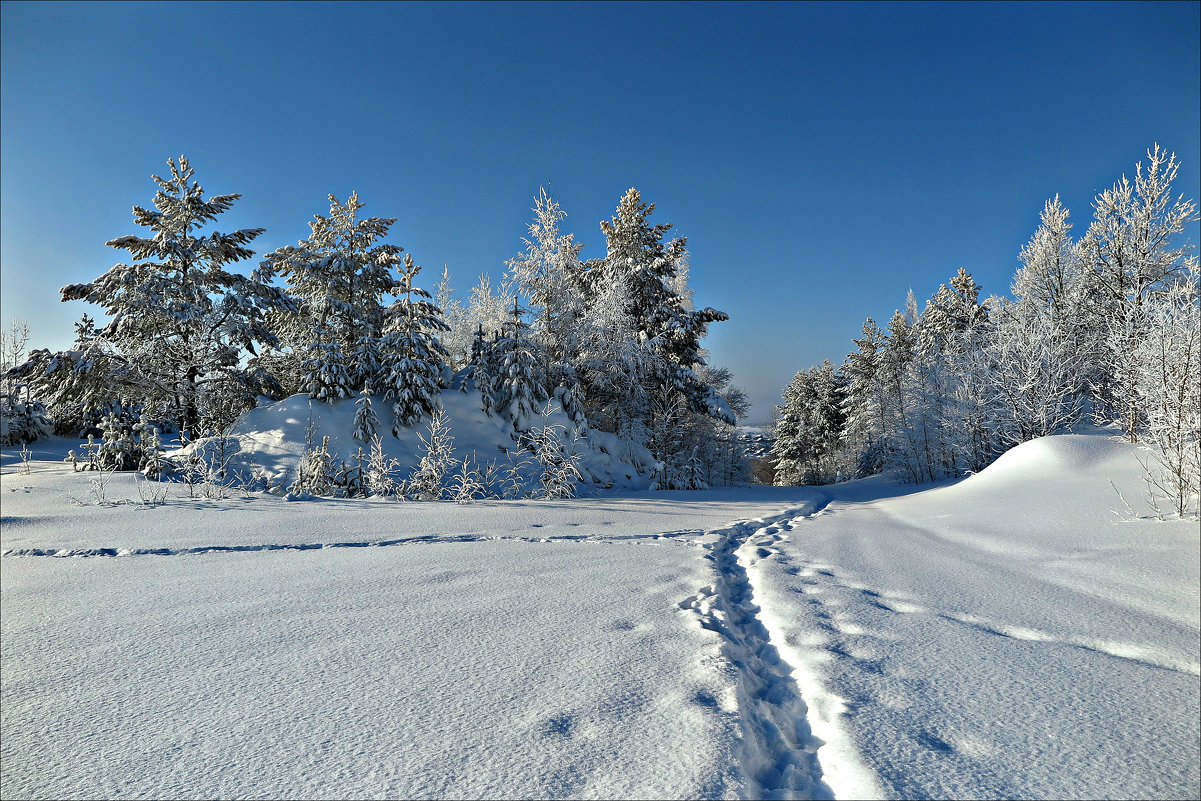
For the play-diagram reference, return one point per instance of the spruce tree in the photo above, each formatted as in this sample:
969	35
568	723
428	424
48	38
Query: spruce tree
366	423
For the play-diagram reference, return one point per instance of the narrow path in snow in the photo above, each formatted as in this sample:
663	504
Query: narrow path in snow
778	751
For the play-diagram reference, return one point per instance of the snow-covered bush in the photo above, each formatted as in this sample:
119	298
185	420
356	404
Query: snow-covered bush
558	459
467	484
428	482
22	420
315	476
381	472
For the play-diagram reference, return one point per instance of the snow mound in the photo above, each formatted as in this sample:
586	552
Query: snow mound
1062	454
271	440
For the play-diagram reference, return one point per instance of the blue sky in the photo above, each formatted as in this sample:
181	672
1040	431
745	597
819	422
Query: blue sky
821	158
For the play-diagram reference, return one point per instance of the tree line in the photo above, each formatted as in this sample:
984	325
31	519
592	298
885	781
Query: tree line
192	344
1104	329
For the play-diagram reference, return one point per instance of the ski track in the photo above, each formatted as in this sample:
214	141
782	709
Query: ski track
778	751
672	537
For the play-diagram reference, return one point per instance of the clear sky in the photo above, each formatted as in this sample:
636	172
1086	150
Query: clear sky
821	158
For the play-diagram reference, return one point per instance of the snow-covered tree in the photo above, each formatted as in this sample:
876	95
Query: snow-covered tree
614	365
181	323
1132	249
338	278
548	273
22	419
412	354
459	333
867	405
488	305
650	269
638	336
521	388
809	431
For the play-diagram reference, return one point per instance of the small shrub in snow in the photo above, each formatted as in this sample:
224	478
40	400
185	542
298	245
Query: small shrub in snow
467	484
192	472
380	472
316	472
350	477
559	470
513	480
429	479
89	459
118	449
151	493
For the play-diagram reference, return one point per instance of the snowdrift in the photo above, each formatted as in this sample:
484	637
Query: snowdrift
273	438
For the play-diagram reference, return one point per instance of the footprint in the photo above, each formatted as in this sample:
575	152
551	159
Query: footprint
559	726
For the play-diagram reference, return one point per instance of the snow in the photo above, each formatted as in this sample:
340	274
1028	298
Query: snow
1007	635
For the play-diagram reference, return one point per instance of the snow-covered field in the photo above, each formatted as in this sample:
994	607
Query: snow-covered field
1005	636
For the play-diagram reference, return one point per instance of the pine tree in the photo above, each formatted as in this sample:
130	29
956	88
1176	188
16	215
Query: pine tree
651	269
639	337
181	323
338	277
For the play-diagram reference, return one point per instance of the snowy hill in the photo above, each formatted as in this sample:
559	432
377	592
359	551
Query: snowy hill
275	436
